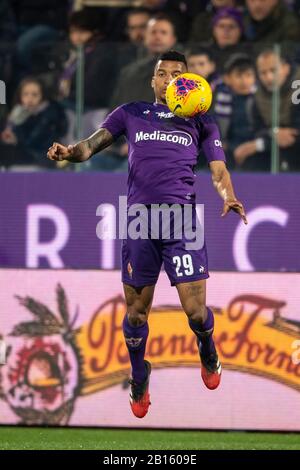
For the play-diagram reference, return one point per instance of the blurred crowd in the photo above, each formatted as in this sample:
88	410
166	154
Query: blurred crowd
59	55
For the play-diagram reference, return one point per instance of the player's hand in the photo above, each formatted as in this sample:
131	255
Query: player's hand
59	152
236	206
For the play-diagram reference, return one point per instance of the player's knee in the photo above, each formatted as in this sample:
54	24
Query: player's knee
196	313
136	318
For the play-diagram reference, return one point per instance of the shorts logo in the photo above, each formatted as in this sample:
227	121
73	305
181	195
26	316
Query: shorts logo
133	342
202	269
176	137
218	143
129	269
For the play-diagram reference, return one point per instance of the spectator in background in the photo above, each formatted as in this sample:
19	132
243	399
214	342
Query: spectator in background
8	29
32	125
133	48
181	12
99	63
124	24
201	30
273	71
133	84
227	30
233	101
137	20
40	24
201	61
270	21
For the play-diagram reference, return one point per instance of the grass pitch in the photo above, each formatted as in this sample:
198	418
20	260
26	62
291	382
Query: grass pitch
19	438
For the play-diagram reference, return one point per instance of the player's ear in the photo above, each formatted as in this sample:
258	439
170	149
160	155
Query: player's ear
152	82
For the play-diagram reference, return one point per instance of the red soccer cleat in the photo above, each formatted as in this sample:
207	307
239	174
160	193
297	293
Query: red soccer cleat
211	371
139	396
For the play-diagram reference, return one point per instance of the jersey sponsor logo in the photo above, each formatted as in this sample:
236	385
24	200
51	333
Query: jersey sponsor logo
176	137
162	114
218	143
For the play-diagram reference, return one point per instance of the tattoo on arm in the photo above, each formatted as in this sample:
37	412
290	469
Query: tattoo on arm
88	147
99	141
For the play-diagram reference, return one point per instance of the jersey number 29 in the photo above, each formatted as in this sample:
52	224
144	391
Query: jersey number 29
186	263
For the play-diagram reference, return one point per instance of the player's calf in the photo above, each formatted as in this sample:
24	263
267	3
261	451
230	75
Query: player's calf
136	334
210	365
136	339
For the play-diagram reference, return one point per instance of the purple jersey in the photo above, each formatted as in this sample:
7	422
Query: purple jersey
163	150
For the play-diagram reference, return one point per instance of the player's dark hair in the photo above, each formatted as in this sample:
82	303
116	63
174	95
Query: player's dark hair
173	56
238	63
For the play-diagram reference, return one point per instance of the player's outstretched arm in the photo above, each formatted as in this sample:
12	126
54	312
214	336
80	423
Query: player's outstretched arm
83	150
222	183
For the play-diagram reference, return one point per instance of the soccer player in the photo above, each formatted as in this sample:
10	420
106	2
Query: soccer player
163	150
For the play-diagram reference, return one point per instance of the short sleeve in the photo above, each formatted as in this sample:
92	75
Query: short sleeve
115	122
211	140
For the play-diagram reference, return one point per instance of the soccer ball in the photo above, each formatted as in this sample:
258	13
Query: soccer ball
188	94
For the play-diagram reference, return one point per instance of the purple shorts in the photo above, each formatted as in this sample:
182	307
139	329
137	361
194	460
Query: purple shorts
142	259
